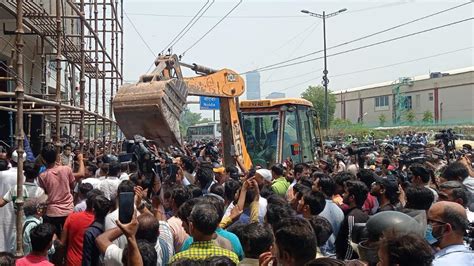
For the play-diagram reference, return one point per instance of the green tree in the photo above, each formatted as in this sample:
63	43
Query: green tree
427	117
315	94
188	119
382	119
410	116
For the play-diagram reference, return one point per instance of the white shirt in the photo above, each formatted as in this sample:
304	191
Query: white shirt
110	219
454	255
435	194
470	215
262	209
7	213
189	176
113	253
93	181
124	176
109	186
30	190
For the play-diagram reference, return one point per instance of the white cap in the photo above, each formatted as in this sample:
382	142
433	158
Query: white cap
266	174
15	156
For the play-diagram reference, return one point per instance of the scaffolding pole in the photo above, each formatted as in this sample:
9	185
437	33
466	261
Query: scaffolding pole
43	91
19	93
112	44
96	29
58	76
104	27
82	84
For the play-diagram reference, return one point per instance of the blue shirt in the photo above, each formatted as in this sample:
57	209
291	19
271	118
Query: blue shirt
335	216
458	255
233	239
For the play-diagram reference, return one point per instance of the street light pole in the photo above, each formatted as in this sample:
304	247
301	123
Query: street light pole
325	72
325	78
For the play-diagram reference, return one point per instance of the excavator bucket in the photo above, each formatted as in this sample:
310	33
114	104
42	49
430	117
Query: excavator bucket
151	108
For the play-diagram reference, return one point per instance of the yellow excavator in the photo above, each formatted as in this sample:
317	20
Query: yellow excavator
265	132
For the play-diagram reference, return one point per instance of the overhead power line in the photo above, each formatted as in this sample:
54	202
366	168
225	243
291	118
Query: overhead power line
139	34
381	67
230	17
187	25
297	76
368	45
195	21
401	63
363	37
296	48
262	16
379	6
213	27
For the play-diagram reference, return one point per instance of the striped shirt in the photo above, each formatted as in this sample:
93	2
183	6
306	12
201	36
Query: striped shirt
201	250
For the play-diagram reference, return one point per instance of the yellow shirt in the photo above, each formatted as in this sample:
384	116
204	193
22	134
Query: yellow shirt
201	250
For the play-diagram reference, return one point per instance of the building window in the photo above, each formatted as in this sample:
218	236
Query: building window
430	96
381	101
417	101
408	103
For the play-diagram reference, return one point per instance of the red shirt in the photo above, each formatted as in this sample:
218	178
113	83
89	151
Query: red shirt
33	260
75	227
370	205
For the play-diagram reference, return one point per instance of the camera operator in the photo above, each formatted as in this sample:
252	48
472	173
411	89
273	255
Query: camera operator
435	159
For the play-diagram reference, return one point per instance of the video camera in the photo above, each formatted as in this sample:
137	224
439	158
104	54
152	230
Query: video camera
142	155
446	135
211	151
361	148
448	138
411	158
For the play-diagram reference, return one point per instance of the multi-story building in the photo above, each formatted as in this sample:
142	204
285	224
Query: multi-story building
253	85
448	96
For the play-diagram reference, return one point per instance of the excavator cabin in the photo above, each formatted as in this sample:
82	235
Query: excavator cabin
276	130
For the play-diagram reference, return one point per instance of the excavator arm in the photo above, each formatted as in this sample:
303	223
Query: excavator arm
152	107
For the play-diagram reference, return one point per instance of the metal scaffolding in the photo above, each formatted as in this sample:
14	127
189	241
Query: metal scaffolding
63	30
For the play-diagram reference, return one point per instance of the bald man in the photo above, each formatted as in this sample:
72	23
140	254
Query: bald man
449	223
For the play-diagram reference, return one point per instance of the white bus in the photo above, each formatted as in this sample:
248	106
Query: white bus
205	131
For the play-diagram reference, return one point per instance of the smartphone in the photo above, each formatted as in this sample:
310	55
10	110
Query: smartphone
126	206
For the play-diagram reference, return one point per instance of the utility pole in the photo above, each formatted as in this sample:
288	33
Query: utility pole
325	71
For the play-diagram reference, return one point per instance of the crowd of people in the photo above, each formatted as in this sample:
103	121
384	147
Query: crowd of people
356	205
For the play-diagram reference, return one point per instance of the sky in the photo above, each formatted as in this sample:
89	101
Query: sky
259	33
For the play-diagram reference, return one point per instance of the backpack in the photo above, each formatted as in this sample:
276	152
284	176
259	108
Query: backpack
26	225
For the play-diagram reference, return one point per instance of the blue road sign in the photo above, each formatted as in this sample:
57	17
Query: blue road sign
208	103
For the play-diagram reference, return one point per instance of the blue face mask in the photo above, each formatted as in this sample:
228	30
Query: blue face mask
429	235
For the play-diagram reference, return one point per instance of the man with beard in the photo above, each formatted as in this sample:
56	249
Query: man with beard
448	222
386	191
355	194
